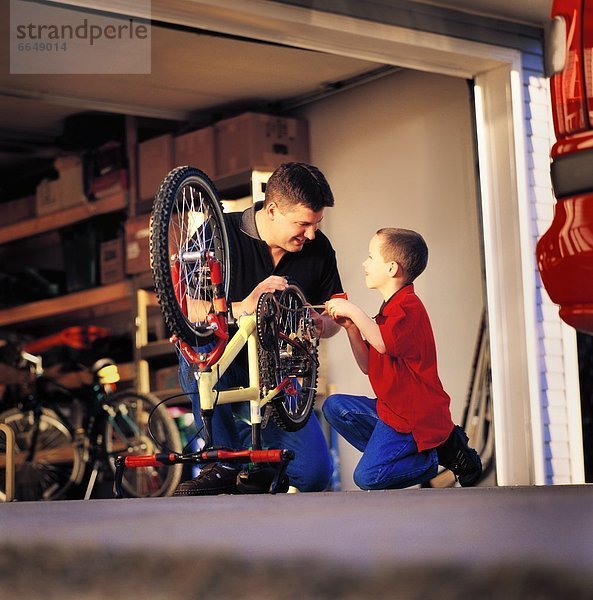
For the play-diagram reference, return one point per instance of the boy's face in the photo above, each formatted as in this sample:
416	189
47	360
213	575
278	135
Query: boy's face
294	226
377	272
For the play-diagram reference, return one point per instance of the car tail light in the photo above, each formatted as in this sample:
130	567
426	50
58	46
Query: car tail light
588	57
567	86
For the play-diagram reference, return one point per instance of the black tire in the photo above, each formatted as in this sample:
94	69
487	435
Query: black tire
56	464
187	218
126	432
292	409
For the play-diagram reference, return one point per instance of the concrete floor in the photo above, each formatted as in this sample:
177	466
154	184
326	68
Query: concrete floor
466	530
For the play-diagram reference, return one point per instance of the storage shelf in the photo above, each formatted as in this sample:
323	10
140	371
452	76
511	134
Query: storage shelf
52	221
156	349
177	396
135	294
107	295
239	184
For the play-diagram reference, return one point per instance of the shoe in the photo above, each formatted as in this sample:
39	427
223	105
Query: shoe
213	479
259	481
456	455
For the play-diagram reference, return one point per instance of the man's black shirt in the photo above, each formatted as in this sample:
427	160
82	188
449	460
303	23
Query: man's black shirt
313	268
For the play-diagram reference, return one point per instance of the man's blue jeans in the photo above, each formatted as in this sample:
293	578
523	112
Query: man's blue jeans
311	468
390	459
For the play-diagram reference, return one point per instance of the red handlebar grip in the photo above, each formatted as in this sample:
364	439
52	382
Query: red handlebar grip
266	455
142	461
149	460
257	456
342	295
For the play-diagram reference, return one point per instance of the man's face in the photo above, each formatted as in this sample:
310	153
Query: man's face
294	225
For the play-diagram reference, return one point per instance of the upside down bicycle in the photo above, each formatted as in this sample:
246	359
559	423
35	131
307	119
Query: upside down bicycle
191	268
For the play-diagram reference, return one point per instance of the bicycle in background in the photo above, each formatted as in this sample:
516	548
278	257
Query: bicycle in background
70	427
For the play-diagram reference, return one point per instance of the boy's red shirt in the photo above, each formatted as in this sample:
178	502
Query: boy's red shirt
410	396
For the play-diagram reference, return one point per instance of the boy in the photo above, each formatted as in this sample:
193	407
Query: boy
407	430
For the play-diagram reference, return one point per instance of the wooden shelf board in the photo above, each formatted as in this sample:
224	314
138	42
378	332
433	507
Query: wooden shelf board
46	223
43	309
156	349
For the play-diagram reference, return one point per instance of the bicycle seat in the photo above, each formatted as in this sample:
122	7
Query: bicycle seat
105	370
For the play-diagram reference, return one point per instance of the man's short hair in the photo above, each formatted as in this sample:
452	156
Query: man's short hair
405	247
299	183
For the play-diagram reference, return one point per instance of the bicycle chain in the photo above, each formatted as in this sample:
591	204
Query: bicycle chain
267	380
266	321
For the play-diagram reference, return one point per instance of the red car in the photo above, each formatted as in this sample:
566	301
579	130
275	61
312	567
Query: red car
565	251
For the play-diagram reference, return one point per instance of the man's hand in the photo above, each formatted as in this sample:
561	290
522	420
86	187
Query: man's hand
273	283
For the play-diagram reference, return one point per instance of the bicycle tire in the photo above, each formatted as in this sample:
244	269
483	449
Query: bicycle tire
57	464
187	223
292	409
126	432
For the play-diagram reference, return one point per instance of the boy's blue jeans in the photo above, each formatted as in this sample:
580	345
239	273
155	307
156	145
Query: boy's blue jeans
311	468
390	459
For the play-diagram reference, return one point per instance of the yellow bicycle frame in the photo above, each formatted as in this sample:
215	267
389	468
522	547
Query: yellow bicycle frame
207	379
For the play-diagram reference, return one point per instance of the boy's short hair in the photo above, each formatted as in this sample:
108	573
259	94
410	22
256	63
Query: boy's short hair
405	247
299	183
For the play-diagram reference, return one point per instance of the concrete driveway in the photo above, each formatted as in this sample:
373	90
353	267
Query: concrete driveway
349	541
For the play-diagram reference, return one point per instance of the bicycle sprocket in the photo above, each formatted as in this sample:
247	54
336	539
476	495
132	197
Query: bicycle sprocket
267	321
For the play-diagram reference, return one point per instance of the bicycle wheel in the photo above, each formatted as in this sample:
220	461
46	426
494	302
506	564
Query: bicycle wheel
187	233
126	432
47	471
297	362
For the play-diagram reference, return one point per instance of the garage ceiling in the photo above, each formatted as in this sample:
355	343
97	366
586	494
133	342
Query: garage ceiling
196	77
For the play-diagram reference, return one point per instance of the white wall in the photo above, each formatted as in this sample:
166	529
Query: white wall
399	152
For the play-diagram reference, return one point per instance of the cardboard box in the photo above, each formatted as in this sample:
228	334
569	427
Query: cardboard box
167	378
70	186
66	191
196	149
18	210
47	197
257	140
112	261
138	245
68	161
155	160
110	184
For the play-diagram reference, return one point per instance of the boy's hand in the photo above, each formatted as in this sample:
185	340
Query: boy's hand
339	310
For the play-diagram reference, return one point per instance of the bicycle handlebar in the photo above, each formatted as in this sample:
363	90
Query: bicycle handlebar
164	459
271	456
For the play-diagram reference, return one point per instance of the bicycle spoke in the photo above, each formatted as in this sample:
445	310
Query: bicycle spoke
55	460
128	427
188	228
296	360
